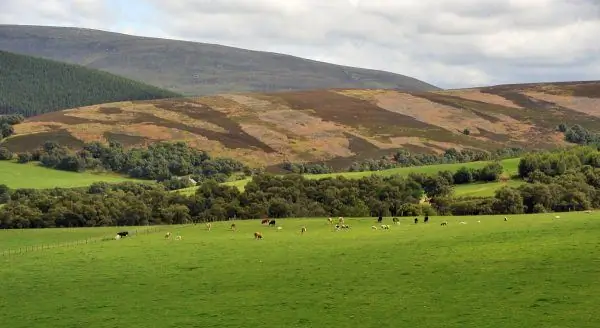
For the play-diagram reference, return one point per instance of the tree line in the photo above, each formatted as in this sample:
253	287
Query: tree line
32	86
163	161
405	158
291	195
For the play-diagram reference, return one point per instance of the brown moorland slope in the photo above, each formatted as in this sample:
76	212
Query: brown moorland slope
335	126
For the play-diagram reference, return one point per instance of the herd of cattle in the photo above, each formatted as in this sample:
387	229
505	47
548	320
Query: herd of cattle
340	225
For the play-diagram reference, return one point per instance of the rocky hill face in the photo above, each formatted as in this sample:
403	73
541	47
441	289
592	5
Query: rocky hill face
336	126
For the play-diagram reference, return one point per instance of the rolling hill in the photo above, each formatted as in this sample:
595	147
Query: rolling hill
32	86
193	68
335	126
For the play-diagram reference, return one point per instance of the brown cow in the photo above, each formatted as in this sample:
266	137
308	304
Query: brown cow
258	235
264	221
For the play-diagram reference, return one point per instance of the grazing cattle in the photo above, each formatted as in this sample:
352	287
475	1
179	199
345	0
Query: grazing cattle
396	220
208	226
380	219
416	220
123	233
303	230
426	219
264	221
233	227
444	223
385	227
330	221
272	223
167	235
258	235
279	228
374	227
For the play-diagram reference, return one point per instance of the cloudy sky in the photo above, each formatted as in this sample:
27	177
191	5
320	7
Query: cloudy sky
449	43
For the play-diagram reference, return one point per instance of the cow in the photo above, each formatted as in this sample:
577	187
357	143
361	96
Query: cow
396	220
444	223
341	220
232	227
505	218
264	221
426	219
416	220
330	221
258	235
272	223
303	230
380	219
123	233
167	235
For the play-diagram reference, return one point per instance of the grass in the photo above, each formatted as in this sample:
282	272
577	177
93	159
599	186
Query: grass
484	189
530	271
31	175
510	165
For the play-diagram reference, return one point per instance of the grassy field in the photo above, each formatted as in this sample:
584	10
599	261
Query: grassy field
530	271
31	175
510	168
484	189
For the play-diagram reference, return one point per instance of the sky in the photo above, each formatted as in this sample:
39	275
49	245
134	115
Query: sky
449	43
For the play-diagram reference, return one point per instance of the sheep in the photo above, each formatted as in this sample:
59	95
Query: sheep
279	228
208	226
462	222
374	227
258	235
330	221
178	238
232	227
341	220
396	220
303	230
557	217
505	218
117	237
345	226
444	223
167	235
385	226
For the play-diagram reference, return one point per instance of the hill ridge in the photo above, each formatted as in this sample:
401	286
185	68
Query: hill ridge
193	68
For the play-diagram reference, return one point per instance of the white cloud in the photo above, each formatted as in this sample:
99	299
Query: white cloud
450	43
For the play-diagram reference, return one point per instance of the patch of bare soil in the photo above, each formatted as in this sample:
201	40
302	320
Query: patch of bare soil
474	94
590	106
450	118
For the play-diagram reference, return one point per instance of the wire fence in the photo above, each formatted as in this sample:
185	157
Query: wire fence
76	243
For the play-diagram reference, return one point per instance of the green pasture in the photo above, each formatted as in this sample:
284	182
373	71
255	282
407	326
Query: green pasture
510	168
484	189
529	271
31	175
